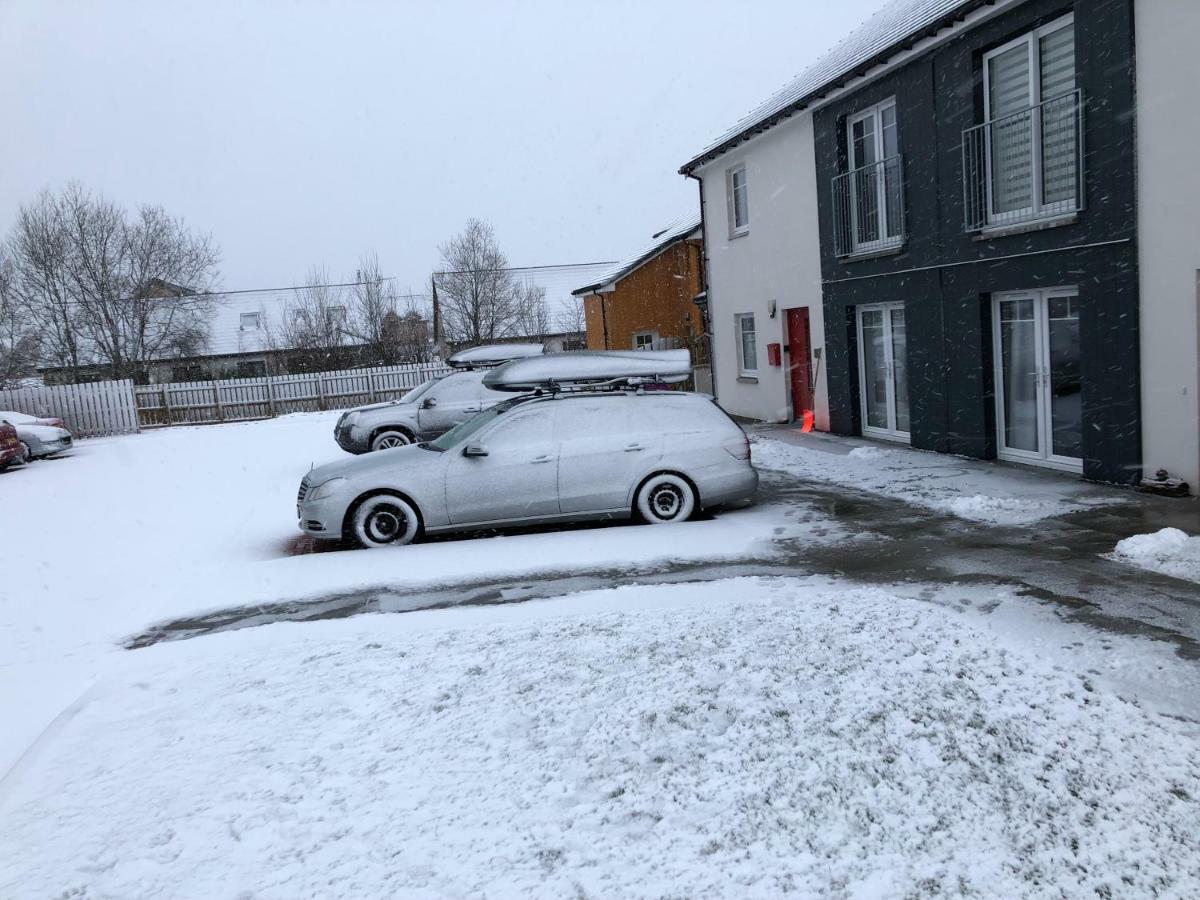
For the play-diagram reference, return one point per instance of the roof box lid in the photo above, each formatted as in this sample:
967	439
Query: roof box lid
591	368
492	355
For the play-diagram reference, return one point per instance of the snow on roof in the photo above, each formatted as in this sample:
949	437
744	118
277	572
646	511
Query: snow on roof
881	35
677	230
589	366
493	354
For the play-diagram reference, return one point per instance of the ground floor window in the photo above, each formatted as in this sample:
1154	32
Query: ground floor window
254	368
644	340
1039	391
883	370
747	348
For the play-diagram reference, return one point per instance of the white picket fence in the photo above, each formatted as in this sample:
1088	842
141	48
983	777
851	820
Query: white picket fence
239	399
89	410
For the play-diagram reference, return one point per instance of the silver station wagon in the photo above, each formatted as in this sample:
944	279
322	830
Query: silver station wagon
559	456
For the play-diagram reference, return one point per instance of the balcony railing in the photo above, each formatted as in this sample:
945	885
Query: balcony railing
1025	166
868	208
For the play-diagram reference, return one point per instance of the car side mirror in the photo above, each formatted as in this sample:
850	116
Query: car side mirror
475	450
429	403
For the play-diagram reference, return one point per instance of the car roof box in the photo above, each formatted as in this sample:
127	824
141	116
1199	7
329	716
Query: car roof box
591	369
492	355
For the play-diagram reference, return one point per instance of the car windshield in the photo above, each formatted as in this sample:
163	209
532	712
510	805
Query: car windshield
416	393
461	432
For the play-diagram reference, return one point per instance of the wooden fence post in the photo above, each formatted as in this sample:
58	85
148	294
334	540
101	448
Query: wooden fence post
271	395
217	397
371	385
320	393
166	404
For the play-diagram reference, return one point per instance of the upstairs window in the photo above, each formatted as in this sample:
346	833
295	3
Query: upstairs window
869	197
739	207
1028	149
644	340
250	321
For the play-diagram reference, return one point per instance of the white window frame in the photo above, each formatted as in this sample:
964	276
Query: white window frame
653	335
1045	456
884	241
252	316
736	229
892	432
1032	40
738	318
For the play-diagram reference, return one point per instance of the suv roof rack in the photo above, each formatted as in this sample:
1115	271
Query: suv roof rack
492	355
591	369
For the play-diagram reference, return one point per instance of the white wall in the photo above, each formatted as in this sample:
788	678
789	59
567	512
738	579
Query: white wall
1168	135
778	259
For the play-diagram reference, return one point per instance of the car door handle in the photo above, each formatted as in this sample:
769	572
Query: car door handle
632	447
545	457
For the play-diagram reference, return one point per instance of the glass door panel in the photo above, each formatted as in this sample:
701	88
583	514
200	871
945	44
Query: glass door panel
1065	384
883	370
1019	374
1009	93
899	368
874	369
1039	387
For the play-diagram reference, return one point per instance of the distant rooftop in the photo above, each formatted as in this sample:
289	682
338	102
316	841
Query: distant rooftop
660	241
896	27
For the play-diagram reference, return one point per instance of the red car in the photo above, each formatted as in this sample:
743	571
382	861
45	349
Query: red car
11	450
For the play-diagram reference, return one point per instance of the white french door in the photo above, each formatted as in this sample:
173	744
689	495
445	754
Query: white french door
883	371
1039	414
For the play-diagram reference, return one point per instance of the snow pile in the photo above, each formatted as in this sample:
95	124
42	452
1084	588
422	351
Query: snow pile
1169	551
740	738
969	489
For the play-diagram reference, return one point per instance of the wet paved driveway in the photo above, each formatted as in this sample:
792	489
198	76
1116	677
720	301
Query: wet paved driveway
1056	561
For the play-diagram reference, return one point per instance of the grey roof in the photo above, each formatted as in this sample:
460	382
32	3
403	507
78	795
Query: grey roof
894	28
676	231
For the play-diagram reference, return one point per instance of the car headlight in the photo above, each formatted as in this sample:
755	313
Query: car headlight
326	489
349	419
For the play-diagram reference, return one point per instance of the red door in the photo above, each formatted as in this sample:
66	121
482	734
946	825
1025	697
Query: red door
800	361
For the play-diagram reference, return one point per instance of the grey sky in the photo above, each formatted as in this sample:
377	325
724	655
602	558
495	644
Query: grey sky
303	133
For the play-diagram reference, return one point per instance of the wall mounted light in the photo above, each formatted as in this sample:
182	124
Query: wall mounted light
771	307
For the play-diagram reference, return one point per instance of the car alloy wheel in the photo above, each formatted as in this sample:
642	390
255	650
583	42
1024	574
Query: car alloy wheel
666	498
388	439
385	520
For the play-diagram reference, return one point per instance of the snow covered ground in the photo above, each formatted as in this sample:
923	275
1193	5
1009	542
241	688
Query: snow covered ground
1169	551
967	488
124	532
739	738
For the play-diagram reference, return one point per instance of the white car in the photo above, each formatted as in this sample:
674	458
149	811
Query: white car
41	437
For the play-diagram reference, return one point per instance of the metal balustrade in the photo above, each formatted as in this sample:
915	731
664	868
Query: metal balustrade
868	208
1026	166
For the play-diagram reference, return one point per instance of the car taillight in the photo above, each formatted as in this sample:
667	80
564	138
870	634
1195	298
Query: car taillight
738	448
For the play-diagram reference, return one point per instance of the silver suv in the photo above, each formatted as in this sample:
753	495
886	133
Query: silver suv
556	457
423	413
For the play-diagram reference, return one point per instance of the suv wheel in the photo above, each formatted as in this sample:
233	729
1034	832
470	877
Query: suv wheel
665	498
384	520
391	437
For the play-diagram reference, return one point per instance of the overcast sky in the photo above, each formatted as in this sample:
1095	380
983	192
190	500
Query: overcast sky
303	133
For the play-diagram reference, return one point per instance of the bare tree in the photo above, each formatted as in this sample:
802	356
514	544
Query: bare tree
533	318
39	249
571	319
479	298
109	288
19	341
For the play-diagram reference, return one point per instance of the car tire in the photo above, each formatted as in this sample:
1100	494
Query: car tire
384	520
389	438
26	455
665	498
